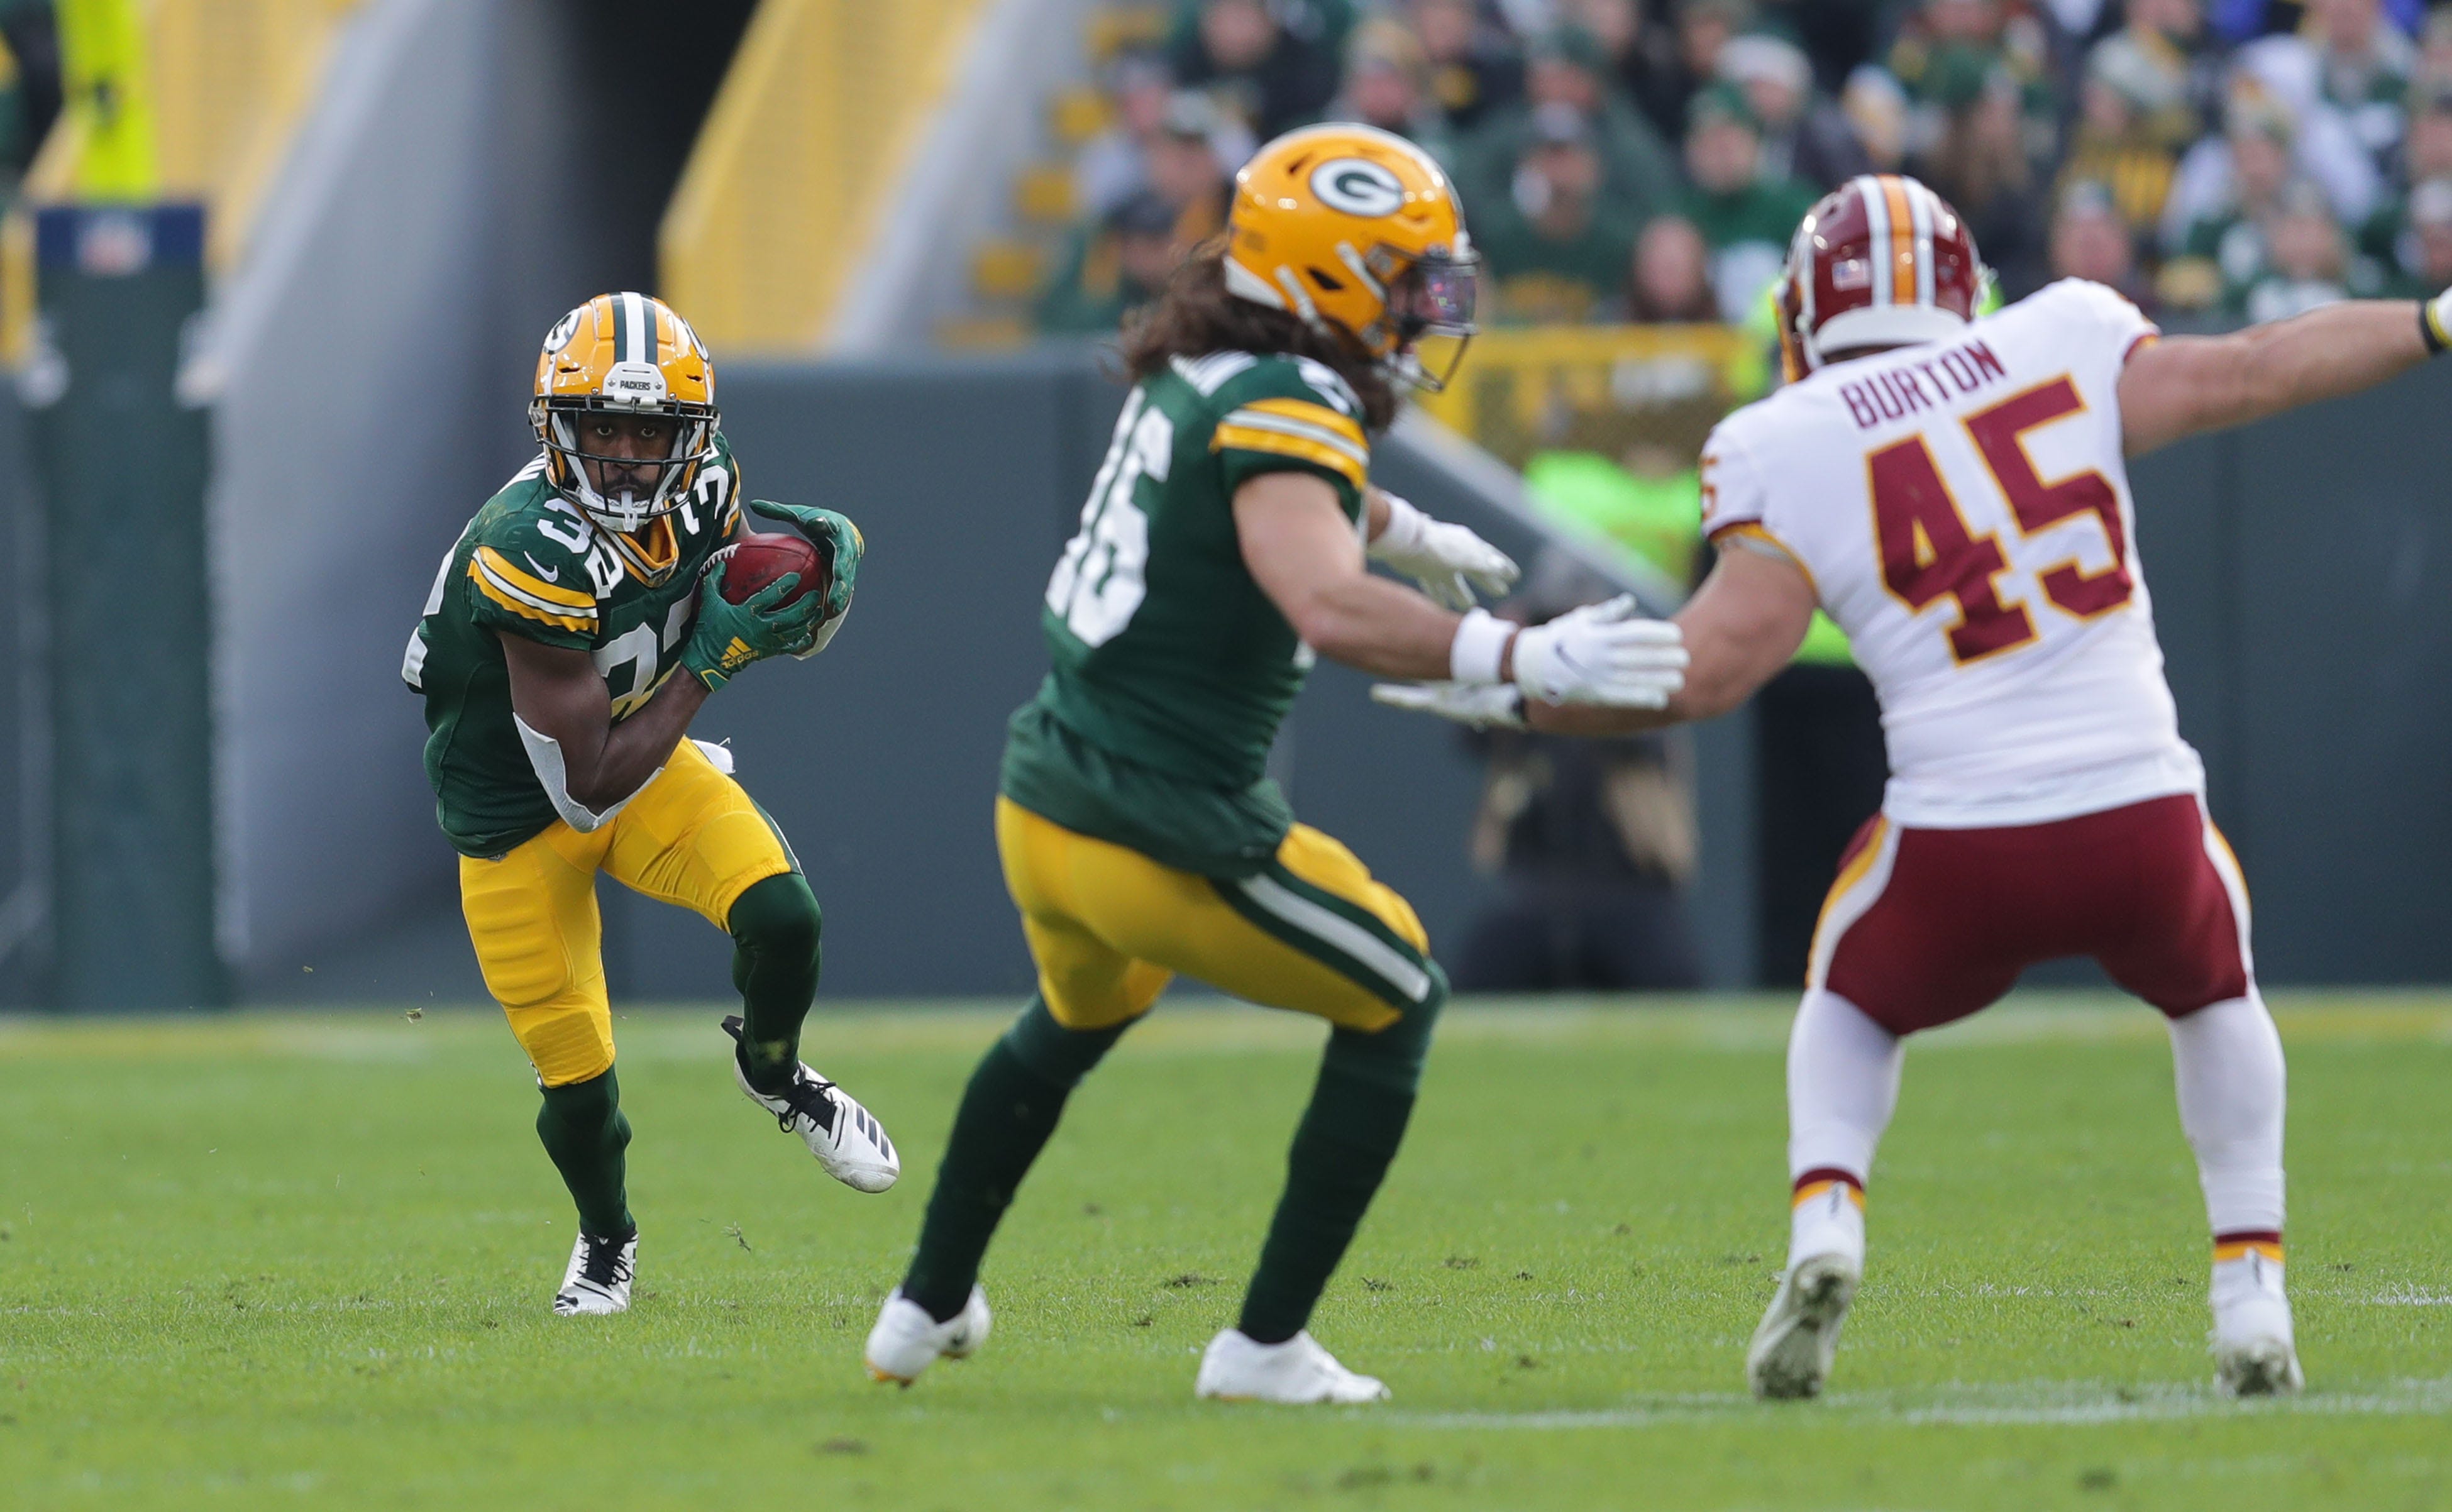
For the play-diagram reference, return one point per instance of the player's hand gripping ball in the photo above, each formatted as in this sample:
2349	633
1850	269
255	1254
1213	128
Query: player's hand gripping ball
839	544
755	560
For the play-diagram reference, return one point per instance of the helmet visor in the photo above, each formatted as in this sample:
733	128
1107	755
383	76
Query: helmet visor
1432	304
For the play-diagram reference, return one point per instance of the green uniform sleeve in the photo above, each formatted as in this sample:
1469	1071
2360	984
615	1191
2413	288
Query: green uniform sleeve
1289	414
523	580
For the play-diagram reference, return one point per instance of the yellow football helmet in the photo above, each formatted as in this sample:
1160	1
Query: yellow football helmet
1357	229
624	354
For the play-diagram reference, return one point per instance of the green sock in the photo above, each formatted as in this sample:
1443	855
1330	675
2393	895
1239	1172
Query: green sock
1008	1111
584	1133
775	927
1341	1151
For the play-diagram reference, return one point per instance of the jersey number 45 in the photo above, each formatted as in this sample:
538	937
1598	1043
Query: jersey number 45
1930	553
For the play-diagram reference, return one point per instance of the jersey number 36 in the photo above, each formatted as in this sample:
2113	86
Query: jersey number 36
1930	553
1101	578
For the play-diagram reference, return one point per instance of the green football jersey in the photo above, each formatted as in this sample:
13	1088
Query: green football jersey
532	564
1172	669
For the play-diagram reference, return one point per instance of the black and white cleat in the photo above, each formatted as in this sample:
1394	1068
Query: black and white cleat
846	1138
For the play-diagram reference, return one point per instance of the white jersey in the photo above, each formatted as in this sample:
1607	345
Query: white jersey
1963	509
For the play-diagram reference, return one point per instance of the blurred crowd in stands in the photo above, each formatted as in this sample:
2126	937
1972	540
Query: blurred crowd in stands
1645	160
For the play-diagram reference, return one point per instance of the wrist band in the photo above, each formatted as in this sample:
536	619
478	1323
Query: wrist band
1479	646
2430	328
1404	528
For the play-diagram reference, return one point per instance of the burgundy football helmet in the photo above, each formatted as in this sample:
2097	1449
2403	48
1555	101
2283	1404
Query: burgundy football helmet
1882	261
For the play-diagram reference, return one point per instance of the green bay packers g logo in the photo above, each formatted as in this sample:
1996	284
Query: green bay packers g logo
1357	186
563	329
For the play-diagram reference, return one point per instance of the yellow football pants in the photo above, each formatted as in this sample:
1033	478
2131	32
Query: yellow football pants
1109	928
691	837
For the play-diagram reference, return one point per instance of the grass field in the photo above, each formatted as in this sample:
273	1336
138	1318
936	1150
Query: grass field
303	1261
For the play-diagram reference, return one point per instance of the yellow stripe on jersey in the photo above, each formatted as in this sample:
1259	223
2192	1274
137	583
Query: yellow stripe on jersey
1247	437
1326	419
1344	435
534	586
519	602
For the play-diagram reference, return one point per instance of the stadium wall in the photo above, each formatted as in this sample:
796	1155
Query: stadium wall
2301	571
24	830
2306	619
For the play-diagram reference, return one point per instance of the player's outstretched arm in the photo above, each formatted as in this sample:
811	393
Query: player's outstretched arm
1741	627
2184	386
1304	553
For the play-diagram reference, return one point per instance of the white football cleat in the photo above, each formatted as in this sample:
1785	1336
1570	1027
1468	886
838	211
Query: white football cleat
598	1279
1298	1372
846	1138
1799	1334
2254	1354
906	1340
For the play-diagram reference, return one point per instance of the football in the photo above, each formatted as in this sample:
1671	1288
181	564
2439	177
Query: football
754	561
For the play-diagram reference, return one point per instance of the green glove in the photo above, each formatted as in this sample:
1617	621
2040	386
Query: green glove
834	534
729	637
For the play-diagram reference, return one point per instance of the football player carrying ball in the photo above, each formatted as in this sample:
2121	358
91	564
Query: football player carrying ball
558	747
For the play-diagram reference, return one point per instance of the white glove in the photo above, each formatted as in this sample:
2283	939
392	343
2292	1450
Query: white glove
1447	560
1599	654
1482	705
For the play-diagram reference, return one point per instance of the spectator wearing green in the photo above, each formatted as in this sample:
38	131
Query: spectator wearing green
1554	248
1804	135
1566	68
2393	235
1112	267
1388	84
1474	68
2364	67
1948	45
1746	220
1275	60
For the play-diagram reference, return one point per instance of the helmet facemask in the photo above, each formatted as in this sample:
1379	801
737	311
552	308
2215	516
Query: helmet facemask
1429	299
560	422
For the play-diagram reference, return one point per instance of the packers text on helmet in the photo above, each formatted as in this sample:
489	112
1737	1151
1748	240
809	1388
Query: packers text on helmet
627	355
1358	229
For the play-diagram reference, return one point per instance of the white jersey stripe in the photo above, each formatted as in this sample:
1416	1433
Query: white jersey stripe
1341	933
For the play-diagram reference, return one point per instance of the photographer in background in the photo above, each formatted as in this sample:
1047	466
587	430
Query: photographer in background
1593	841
